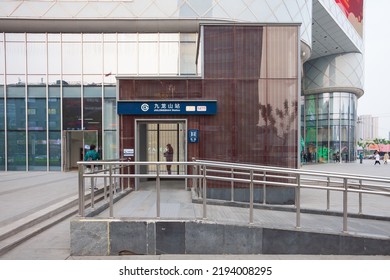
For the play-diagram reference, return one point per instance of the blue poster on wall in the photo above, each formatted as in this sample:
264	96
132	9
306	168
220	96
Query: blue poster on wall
168	107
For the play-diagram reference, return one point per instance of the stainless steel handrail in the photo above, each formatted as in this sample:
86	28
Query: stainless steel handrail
250	175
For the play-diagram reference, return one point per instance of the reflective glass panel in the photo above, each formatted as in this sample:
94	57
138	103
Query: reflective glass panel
71	58
15	58
148	59
54	112
93	114
54	58
36	58
71	108
16	114
127	58
92	58
55	151
16	150
36	113
109	114
37	152
110	148
2	150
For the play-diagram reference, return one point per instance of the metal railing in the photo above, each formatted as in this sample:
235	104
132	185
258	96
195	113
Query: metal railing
117	176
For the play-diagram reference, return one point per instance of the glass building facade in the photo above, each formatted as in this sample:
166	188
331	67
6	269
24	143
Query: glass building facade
328	127
55	85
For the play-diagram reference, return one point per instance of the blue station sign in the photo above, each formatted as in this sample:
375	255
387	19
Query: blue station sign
168	107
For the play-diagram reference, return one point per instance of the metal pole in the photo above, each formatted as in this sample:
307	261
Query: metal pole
128	178
298	201
194	172
105	182
201	180
328	195
251	198
92	188
232	185
81	190
345	206
264	188
204	193
360	197
111	203
158	191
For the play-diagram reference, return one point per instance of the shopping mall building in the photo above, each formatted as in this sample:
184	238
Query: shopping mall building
270	82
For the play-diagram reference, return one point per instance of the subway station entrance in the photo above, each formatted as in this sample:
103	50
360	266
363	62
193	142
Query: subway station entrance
151	139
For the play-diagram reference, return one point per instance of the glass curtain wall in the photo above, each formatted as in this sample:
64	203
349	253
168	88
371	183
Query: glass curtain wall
329	127
55	82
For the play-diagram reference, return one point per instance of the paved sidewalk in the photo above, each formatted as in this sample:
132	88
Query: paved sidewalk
24	192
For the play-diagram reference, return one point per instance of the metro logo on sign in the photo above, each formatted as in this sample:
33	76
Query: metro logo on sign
193	135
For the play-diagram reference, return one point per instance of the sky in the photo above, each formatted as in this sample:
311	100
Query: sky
375	100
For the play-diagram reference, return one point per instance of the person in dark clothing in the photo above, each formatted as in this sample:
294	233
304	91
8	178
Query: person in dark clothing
168	154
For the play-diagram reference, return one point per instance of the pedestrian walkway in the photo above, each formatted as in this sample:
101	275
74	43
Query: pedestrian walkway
22	193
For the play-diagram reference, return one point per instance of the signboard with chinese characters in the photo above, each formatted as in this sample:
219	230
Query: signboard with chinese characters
193	135
169	107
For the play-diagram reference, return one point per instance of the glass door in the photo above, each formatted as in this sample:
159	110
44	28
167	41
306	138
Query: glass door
76	144
152	139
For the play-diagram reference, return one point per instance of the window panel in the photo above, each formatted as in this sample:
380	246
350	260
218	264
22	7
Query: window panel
169	56
37	151
54	113
110	148
16	118
55	151
92	58
16	150
2	150
110	114
36	58
92	114
2	62
71	108
15	58
71	58
2	123
36	114
54	58
148	58
127	58
188	58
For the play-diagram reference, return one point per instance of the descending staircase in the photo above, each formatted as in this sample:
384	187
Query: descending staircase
19	231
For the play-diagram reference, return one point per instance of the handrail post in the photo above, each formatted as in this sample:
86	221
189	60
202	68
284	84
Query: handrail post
360	197
345	206
128	174
328	194
111	203
232	185
201	181
92	187
298	201
251	198
194	180
158	191
105	182
264	188
115	178
204	193
81	191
